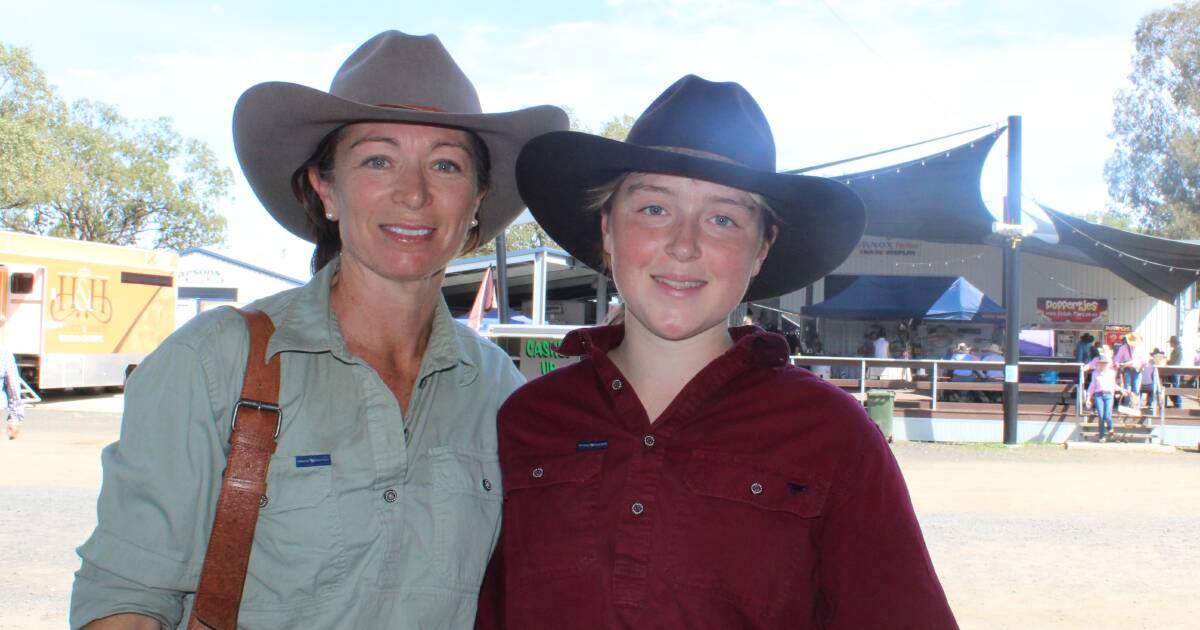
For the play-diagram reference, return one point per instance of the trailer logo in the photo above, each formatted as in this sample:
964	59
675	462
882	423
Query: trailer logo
82	296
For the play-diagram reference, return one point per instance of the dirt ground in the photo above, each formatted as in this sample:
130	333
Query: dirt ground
1027	537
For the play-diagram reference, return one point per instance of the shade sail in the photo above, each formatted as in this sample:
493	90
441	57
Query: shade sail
936	298
1160	267
937	198
933	198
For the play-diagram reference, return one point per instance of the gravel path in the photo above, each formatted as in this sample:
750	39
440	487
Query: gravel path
1029	537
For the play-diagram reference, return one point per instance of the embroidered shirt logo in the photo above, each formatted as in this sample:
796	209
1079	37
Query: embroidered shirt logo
308	461
591	445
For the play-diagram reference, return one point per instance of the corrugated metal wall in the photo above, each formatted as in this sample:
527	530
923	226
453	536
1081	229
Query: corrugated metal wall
982	266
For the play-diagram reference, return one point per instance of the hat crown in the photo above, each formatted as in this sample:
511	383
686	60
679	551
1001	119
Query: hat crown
397	69
717	118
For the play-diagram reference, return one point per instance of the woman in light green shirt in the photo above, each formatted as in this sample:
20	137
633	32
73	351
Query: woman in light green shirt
383	499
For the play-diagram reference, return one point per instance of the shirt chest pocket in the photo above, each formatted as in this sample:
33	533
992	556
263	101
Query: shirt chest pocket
743	534
466	512
299	551
551	524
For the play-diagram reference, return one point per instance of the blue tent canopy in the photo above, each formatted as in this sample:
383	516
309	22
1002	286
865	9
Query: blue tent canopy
936	298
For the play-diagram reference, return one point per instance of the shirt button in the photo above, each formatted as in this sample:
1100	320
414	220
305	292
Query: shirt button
263	501
487	485
648	440
538	472
389	495
617	384
637	508
756	488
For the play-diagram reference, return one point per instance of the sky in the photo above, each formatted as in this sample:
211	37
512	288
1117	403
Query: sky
836	78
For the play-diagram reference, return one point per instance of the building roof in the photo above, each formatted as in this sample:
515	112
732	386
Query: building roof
240	263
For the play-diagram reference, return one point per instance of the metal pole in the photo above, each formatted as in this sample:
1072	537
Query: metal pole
1012	283
539	287
502	278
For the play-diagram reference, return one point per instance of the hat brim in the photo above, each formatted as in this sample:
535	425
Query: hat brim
277	127
822	220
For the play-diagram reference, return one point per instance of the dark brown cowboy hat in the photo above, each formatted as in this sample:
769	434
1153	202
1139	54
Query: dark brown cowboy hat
823	220
393	77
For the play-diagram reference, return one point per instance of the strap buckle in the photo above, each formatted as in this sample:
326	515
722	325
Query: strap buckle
259	406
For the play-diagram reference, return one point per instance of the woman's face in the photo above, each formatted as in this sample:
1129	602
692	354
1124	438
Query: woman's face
683	252
403	196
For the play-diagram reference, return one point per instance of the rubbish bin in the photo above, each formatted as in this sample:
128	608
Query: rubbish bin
880	404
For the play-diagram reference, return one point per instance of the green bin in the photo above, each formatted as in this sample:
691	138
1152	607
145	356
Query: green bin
880	403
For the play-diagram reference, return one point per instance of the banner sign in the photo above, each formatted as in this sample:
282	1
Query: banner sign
888	247
1113	333
539	356
1072	310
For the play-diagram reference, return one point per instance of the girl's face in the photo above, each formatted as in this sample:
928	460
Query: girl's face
683	252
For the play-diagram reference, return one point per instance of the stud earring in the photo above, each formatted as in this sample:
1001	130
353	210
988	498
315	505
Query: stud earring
329	215
475	222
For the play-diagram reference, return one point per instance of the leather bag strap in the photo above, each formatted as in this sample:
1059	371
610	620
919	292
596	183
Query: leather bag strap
257	419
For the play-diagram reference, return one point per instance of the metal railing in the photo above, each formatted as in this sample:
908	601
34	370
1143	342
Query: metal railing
934	367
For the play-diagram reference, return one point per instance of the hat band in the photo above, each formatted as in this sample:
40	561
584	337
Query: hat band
415	108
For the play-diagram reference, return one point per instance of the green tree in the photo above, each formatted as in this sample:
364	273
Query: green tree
29	114
1154	174
617	128
519	237
87	173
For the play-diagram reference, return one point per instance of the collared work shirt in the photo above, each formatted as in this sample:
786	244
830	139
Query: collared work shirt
761	498
375	517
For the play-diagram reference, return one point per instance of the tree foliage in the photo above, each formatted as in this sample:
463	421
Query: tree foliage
1154	174
85	172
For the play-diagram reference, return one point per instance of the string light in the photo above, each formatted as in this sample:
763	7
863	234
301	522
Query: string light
916	163
921	265
1145	262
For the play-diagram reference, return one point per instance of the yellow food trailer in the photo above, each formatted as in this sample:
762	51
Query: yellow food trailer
82	314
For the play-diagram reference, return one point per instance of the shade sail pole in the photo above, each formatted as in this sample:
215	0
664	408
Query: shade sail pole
1012	283
502	277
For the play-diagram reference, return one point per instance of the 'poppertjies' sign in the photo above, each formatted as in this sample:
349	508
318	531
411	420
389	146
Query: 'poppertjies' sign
1072	310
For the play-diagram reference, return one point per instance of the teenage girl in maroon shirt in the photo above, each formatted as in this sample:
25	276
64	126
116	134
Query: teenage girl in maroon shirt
683	474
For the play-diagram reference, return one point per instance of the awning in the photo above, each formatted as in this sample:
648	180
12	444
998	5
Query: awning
933	198
937	198
886	298
1160	267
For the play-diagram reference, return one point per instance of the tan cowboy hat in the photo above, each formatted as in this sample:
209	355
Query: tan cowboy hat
703	130
1133	338
993	348
1105	354
393	77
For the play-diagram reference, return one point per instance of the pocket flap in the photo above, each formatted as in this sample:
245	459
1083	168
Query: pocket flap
541	471
802	494
466	471
291	488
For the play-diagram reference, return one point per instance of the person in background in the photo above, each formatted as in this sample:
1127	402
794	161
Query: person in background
992	352
10	380
1083	349
1151	383
1131	358
882	345
1175	358
1104	386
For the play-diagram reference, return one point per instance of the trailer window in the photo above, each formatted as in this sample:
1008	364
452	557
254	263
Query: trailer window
21	283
